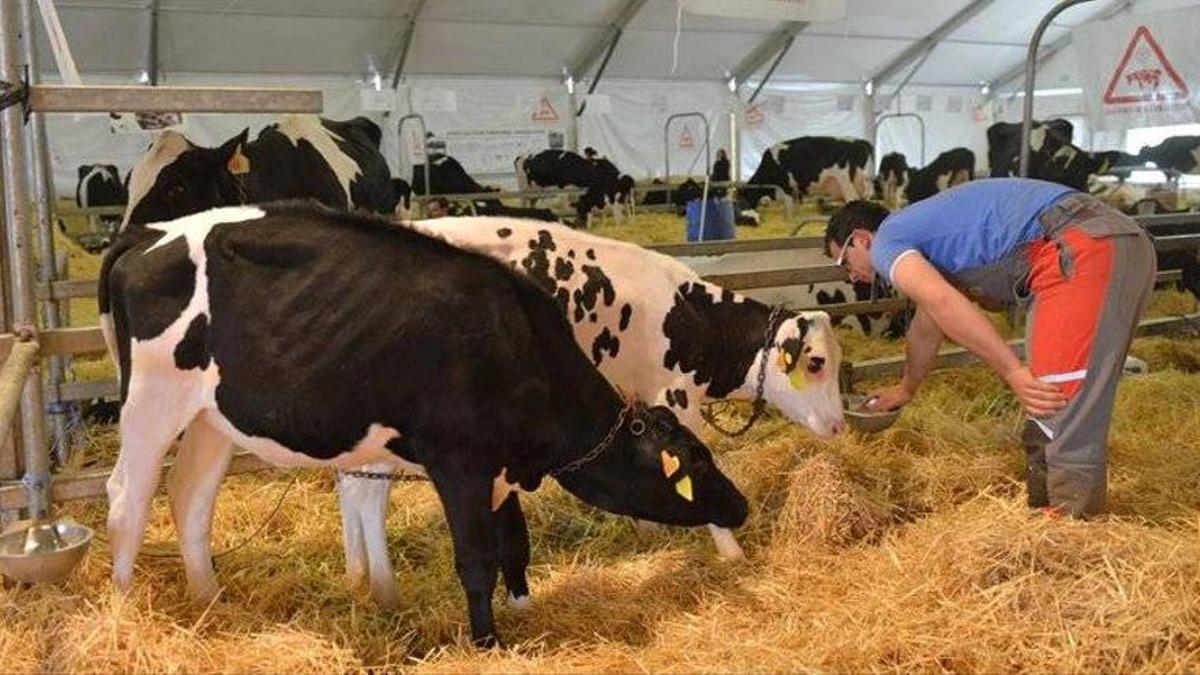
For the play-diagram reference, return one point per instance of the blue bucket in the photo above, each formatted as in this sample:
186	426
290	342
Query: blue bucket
718	220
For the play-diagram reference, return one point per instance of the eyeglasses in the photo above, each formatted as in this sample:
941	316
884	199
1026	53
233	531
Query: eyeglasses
841	260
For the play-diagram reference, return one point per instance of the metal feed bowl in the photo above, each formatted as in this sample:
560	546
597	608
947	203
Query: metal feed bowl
864	419
43	552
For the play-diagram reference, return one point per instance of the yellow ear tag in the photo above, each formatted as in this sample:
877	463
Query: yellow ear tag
670	463
238	164
799	379
684	487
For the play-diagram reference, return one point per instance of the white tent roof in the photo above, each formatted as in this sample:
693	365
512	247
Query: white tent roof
537	38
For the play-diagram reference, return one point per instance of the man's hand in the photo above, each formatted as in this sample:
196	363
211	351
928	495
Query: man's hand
1040	399
890	398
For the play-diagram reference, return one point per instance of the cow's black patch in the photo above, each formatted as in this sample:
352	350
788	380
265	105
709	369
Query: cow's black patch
593	317
571	254
591	254
504	232
174	278
597	284
671	398
192	351
626	313
605	342
537	263
563	297
714	340
563	269
681	398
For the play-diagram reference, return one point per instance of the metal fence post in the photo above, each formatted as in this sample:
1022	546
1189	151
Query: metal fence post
17	236
43	189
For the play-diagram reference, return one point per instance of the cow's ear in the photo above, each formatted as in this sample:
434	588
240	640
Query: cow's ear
230	154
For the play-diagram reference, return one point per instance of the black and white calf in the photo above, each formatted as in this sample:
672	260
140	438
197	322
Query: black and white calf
950	168
892	179
1178	154
654	329
303	336
101	185
301	157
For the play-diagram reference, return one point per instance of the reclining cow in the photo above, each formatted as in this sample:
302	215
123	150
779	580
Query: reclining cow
264	327
301	157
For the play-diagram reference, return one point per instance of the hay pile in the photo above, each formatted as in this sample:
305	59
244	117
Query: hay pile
907	550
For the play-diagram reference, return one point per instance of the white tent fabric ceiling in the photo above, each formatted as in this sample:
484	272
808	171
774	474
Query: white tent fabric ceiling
535	38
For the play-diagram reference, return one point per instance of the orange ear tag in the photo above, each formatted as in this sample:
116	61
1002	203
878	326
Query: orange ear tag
238	164
670	463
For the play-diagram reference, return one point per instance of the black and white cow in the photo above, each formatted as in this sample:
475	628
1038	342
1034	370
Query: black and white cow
950	168
100	185
264	327
1179	154
654	329
838	168
301	157
447	177
1004	143
603	183
892	179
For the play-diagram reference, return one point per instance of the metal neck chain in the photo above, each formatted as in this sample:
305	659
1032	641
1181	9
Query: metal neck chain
759	404
636	427
384	475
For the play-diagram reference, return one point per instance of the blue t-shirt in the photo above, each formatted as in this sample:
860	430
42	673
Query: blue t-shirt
971	225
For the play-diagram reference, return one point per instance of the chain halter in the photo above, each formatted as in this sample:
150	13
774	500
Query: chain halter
637	427
759	404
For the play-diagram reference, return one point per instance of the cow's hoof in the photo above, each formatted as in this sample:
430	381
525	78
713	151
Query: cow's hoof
519	602
487	642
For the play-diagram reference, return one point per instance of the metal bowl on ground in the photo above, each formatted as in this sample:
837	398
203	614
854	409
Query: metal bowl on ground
865	419
43	552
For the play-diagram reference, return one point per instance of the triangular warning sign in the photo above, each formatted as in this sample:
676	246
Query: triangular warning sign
1144	73
545	112
685	138
754	116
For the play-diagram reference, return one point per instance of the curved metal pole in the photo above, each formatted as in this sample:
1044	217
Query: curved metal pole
1030	72
667	146
424	141
920	121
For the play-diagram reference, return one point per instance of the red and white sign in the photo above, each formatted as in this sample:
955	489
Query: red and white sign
754	116
1145	73
686	141
1140	70
545	112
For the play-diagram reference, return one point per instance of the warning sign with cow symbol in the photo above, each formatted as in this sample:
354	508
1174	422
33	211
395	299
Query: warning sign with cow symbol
1140	70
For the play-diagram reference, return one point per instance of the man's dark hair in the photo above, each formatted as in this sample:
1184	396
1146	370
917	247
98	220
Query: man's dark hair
857	215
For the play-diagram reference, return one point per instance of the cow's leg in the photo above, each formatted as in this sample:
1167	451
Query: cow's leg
514	551
364	504
200	463
467	502
153	414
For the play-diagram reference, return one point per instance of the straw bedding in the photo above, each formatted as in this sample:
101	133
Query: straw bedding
907	550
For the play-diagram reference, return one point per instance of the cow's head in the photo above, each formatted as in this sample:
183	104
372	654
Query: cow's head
655	469
802	366
177	178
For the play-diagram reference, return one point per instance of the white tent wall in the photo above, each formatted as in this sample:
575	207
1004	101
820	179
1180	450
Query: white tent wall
631	133
954	117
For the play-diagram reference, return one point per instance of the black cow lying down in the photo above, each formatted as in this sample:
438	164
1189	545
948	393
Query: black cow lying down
301	335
